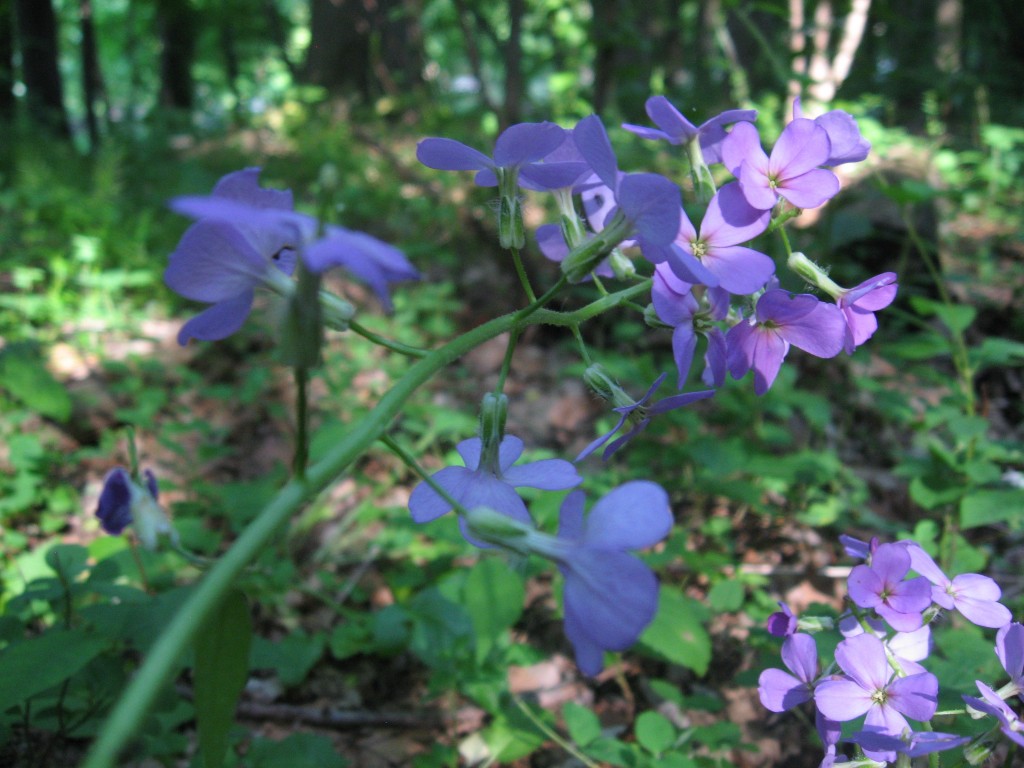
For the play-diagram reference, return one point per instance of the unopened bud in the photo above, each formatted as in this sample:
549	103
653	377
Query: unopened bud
622	266
492	527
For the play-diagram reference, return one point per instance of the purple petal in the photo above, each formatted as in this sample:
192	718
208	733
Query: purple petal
685	265
633	516
731	220
715	358
842	699
898	620
612	594
649	133
219	321
756	186
546	474
739	270
425	504
651	202
469	451
800	655
864	586
679	401
916	696
862	657
672	298
810	189
976	599
589	655
846	145
713	134
1010	649
911	595
758	348
669	119
601	440
214	262
744	145
912	646
244	186
923	563
551	242
451	155
284	227
780	691
802	146
819	333
527	143
548	175
570	517
593	143
115	503
684	344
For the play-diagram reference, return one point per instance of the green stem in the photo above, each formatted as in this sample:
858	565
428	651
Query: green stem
410	461
523	278
394	346
302	422
127	716
543	727
506	362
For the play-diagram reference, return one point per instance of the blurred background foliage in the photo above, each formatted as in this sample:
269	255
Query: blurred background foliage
110	107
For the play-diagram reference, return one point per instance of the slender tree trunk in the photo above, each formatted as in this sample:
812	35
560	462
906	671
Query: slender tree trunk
92	79
825	70
514	64
7	102
604	35
37	41
176	26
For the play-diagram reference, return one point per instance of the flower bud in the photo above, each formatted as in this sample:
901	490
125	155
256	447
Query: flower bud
125	501
492	527
813	274
493	412
979	751
622	266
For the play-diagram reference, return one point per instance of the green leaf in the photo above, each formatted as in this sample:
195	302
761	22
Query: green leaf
986	507
26	378
222	665
677	633
493	596
726	596
956	317
654	732
34	665
582	723
300	750
291	657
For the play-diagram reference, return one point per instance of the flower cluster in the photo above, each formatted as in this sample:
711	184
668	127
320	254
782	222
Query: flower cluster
246	237
897	594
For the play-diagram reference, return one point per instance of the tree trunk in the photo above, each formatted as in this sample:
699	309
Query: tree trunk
7	102
92	80
364	46
514	65
604	34
37	40
176	27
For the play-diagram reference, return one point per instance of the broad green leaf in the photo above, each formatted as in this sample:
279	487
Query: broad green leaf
726	596
32	666
986	507
291	657
956	317
582	723
654	732
300	750
222	665
26	378
493	596
677	633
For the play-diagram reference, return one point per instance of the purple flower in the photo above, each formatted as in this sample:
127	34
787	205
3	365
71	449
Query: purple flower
676	129
125	502
519	150
676	305
846	145
781	690
713	256
882	586
371	260
907	648
781	319
610	595
649	202
869	688
640	414
975	596
247	237
912	744
791	172
859	305
1010	650
782	623
479	484
992	704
